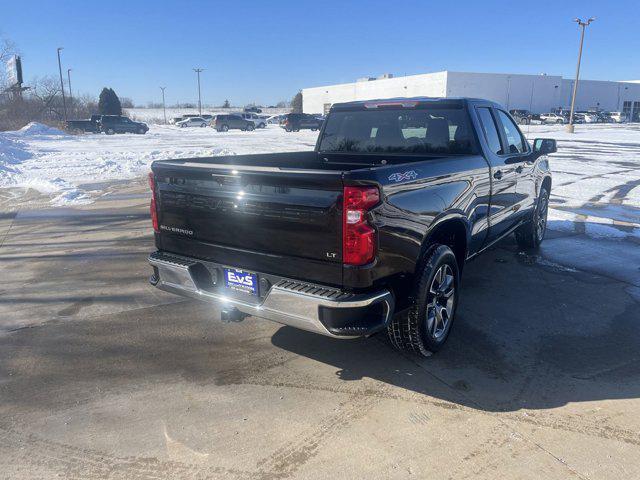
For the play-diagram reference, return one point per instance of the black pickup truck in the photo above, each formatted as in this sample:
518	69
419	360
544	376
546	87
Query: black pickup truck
90	125
368	232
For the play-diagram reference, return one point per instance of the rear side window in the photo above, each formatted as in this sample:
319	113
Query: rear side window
490	130
415	131
515	142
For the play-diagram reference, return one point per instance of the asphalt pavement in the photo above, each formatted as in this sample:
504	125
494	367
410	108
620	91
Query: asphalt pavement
103	376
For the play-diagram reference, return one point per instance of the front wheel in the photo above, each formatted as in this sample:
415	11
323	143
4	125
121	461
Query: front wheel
141	131
425	327
531	234
251	127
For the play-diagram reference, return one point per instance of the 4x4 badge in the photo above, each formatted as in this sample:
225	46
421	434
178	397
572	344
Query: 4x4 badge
400	176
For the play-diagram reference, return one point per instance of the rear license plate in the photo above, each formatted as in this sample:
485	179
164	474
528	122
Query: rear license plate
241	281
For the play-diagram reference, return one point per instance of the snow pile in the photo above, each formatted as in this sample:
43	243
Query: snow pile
35	128
73	169
12	151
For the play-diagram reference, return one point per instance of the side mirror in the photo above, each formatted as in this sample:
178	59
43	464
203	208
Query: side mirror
544	146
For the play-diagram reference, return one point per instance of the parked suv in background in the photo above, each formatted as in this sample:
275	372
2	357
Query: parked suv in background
193	122
617	117
257	120
522	117
551	118
588	117
294	122
223	123
111	124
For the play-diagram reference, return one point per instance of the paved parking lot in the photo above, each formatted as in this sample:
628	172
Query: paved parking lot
102	376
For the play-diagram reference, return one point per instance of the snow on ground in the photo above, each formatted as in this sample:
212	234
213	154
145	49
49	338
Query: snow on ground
596	185
596	179
68	167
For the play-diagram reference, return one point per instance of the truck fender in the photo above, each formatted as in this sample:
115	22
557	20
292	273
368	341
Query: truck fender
448	220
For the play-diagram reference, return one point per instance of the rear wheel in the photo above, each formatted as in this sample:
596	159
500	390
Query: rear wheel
426	326
110	131
224	128
262	125
251	127
202	125
141	131
531	234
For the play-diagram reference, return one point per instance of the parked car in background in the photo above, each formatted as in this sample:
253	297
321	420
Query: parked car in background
223	123
589	117
603	117
294	122
174	120
253	109
617	117
193	122
551	118
111	124
257	120
276	119
522	117
88	125
579	118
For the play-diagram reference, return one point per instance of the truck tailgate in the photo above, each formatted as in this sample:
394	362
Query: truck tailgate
261	218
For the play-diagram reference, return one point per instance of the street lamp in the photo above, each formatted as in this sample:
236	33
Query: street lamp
64	101
583	25
70	94
198	70
164	108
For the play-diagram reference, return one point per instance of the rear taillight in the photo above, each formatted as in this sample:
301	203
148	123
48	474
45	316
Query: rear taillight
358	237
153	208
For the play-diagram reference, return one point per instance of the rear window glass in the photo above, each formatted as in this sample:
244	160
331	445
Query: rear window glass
420	131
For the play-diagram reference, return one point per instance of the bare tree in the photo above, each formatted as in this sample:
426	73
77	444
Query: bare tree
7	49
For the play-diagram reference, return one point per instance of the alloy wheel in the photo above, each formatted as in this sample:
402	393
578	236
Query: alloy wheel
440	302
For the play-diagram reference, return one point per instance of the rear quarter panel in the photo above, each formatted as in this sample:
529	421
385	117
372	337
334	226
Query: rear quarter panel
415	198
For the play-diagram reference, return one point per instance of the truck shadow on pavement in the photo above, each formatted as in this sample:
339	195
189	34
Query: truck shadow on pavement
526	336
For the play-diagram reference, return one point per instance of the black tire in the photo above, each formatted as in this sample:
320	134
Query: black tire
224	128
141	131
110	131
251	127
531	234
262	125
183	125
287	129
202	125
416	331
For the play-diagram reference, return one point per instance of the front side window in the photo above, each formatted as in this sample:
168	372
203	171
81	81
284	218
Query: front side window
421	131
515	142
490	130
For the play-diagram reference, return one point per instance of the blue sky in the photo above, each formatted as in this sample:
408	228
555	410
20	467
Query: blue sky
266	50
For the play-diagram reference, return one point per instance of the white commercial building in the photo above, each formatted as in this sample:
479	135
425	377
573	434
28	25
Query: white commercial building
537	93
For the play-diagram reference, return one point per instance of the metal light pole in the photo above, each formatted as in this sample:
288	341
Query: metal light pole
198	70
164	108
64	101
583	25
70	94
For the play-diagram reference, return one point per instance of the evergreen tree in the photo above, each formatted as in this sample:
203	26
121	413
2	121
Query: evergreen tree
296	103
226	104
109	103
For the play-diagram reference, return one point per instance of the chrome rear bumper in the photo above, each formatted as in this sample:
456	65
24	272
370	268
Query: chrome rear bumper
289	302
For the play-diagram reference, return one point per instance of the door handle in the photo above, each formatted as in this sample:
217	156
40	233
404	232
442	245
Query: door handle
519	169
497	174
